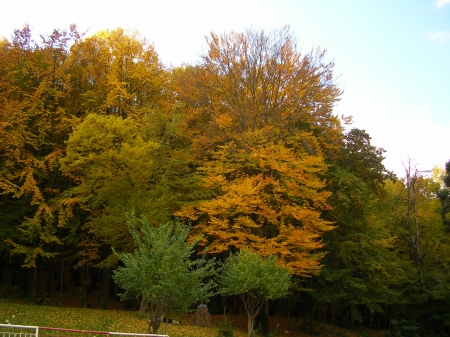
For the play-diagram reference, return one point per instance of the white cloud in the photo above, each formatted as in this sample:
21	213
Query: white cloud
442	3
442	37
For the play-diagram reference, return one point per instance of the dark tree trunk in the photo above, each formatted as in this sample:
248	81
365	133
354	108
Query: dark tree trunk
104	276
307	311
104	287
85	303
273	307
48	288
2	265
34	284
342	318
262	320
61	282
75	276
112	288
94	274
233	304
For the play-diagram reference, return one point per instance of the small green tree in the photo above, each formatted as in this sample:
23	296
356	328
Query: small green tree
256	279
161	270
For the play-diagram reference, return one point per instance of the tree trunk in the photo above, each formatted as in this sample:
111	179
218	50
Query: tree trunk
34	284
307	304
85	303
412	220
262	319
75	276
48	288
2	265
156	317
104	287
252	306
142	306
250	323
61	283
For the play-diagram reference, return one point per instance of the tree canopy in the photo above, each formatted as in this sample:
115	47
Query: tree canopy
243	148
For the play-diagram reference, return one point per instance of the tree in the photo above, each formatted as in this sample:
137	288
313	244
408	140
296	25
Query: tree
412	211
36	117
113	165
259	81
362	271
444	197
47	88
260	116
255	279
162	271
119	73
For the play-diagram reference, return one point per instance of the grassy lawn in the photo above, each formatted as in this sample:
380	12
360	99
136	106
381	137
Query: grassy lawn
130	321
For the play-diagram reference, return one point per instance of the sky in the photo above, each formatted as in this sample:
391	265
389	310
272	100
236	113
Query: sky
392	58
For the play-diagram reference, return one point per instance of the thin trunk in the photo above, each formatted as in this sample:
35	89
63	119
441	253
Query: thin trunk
250	321
412	220
416	222
252	306
262	319
2	265
34	284
156	317
104	287
307	313
61	282
48	292
143	306
86	287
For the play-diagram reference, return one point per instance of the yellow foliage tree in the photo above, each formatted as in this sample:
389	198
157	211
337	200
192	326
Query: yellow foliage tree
119	73
260	116
36	117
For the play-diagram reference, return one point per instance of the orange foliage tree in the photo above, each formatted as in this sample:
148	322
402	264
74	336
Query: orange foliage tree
260	117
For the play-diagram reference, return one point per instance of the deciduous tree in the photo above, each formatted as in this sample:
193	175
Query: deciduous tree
160	268
362	271
255	279
412	211
113	167
36	117
119	73
261	119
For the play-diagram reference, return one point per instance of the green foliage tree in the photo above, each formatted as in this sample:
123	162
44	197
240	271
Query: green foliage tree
444	197
115	166
413	212
361	268
161	269
255	279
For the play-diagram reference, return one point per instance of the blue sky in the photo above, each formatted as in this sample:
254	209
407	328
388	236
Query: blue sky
393	57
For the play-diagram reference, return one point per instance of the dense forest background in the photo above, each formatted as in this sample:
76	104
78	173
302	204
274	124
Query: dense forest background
243	147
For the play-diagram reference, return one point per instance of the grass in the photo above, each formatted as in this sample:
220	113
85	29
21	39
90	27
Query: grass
129	321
